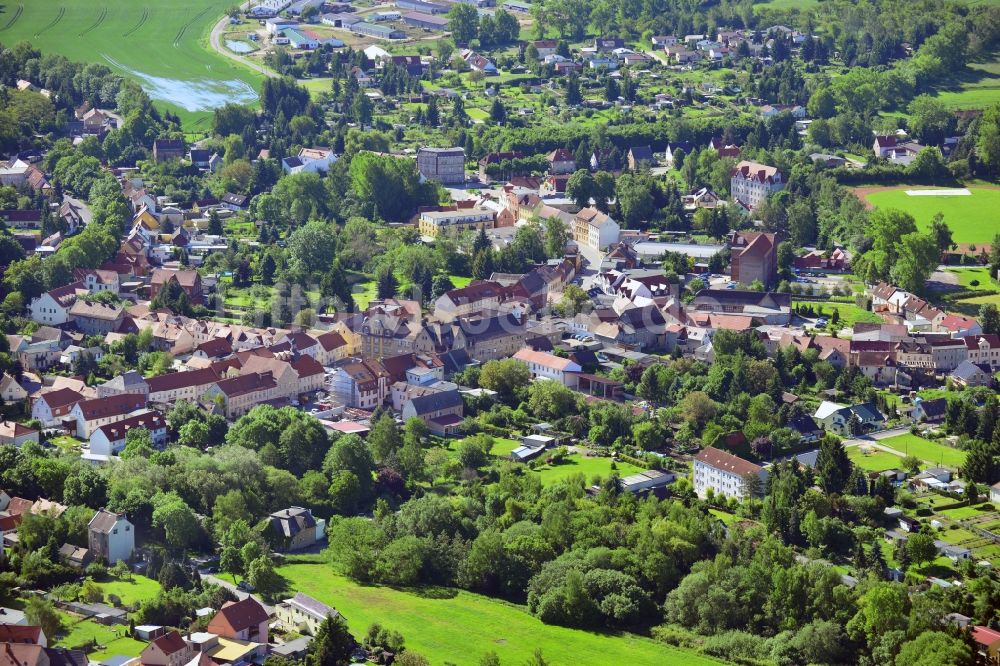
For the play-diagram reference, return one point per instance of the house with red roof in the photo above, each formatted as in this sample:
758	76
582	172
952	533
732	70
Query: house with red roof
751	183
244	620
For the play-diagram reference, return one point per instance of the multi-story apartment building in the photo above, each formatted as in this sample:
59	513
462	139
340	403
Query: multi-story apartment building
751	183
444	165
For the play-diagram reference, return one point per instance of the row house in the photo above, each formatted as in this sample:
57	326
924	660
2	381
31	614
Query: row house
983	350
53	407
91	414
947	353
241	394
332	348
189	385
96	280
109	440
35	352
129	382
390	330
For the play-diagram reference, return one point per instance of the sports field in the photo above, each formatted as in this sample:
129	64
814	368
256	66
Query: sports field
163	45
458	627
972	219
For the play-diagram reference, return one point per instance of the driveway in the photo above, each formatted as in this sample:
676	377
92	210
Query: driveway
240	594
216	35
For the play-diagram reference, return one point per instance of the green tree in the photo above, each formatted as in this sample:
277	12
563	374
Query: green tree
920	548
935	648
263	577
989	318
463	22
41	613
988	143
215	223
505	376
833	467
386	284
333	644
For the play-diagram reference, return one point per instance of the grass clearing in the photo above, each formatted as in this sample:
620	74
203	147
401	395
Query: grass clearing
873	460
579	464
455	626
977	86
925	449
162	46
139	588
972	219
97	640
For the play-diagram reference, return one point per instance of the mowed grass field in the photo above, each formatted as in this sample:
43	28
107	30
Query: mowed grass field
972	219
162	45
925	449
458	627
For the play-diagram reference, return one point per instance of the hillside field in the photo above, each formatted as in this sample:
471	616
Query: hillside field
972	219
161	45
454	626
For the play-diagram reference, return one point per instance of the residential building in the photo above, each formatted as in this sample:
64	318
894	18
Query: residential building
726	474
490	338
362	384
302	614
189	281
561	160
310	160
640	157
444	165
93	413
10	390
243	393
544	365
52	307
53	407
189	385
751	183
293	528
109	440
433	223
475	298
766	307
595	229
441	411
983	350
848	420
754	256
17	434
110	537
170	649
244	620
168	149
970	374
94	318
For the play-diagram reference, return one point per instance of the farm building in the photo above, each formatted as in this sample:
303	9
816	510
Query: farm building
421	6
427	21
338	21
298	40
375	30
517	6
386	16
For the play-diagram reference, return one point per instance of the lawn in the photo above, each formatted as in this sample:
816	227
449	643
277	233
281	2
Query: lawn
972	219
65	443
925	449
454	626
111	640
976	511
132	591
850	314
364	292
589	467
161	45
503	446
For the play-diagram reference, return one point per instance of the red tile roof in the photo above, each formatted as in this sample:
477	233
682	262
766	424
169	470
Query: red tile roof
726	461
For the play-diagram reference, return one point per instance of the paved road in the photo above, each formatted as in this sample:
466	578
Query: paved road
240	594
215	36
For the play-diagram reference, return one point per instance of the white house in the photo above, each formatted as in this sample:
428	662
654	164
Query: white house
303	614
837	418
96	412
544	365
110	537
309	160
109	440
724	473
52	407
52	307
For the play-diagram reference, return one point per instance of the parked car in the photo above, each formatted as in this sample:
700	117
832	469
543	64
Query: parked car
245	586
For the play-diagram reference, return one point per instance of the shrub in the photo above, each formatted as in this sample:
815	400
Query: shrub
738	646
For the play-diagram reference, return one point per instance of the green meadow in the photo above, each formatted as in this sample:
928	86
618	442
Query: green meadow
458	627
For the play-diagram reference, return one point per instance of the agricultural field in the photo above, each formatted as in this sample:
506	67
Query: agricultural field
925	449
454	626
972	218
162	46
